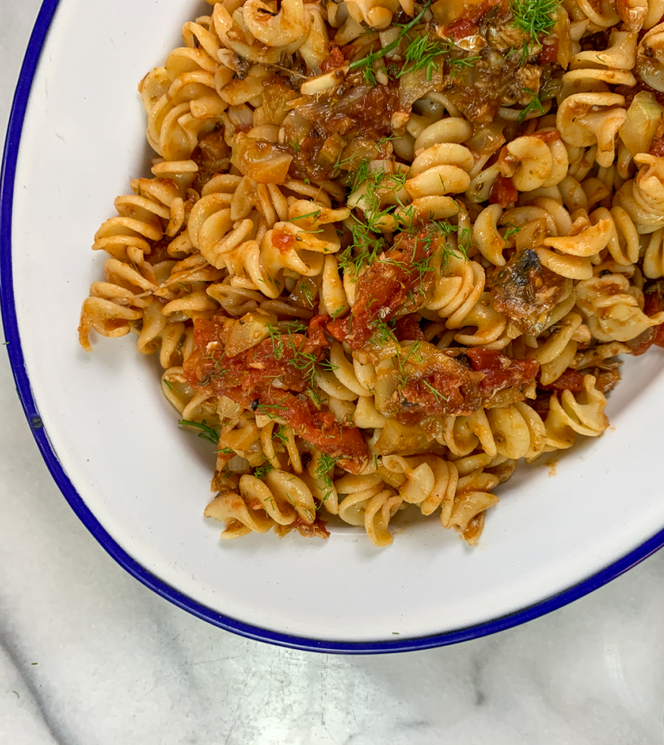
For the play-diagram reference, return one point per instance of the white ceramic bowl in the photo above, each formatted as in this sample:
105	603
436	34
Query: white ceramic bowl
140	484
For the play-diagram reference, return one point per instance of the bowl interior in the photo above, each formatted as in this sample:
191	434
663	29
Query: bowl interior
147	482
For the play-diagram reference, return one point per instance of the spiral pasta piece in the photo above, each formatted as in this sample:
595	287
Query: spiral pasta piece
570	415
514	432
181	98
458	291
650	58
643	197
368	503
612	308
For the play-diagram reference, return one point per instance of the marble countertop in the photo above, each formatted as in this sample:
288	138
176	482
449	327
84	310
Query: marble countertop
88	656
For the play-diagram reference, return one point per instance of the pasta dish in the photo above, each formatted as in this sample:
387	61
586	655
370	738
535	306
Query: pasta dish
390	248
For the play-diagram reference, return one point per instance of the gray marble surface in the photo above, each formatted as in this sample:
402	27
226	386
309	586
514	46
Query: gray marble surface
89	656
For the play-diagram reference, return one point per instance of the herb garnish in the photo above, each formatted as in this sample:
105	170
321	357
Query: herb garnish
307	293
280	434
383	331
262	471
277	343
436	394
368	242
366	63
457	64
421	54
533	17
270	409
511	230
534	106
325	465
315	215
401	363
206	432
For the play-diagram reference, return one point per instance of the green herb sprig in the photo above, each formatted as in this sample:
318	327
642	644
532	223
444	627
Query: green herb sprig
458	64
277	343
533	17
533	106
315	215
511	230
205	431
367	240
422	53
325	465
262	471
436	394
413	350
383	331
366	63
272	411
461	62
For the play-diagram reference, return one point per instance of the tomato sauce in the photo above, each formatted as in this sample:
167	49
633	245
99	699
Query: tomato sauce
267	377
458	382
385	287
275	363
570	380
657	147
320	428
551	136
334	61
282	241
549	52
500	371
653	304
408	328
446	388
503	192
461	28
467	25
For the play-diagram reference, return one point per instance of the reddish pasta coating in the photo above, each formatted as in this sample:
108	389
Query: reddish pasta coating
317	427
407	328
572	380
500	371
316	529
467	24
395	283
458	382
503	192
267	377
267	363
334	61
653	296
549	52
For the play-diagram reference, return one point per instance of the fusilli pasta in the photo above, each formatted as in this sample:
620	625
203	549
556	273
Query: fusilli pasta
390	248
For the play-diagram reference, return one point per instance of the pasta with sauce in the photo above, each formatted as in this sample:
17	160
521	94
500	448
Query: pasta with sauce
391	248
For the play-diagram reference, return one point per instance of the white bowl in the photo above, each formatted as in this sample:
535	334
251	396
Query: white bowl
140	484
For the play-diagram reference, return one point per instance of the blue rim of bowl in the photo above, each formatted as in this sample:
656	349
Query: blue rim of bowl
7	182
